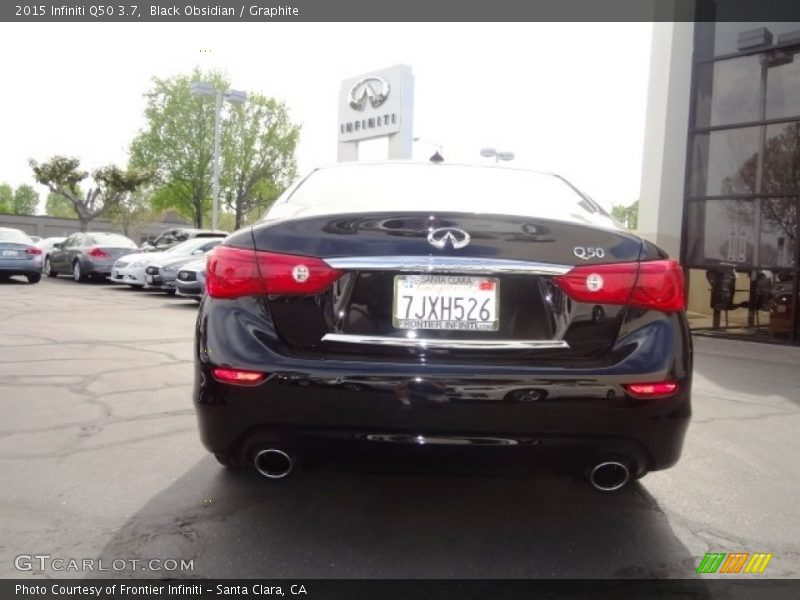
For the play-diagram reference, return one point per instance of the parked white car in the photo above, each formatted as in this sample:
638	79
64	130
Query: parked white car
162	272
130	269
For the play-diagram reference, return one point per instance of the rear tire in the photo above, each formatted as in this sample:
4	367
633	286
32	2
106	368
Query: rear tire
77	273
231	462
48	268
34	278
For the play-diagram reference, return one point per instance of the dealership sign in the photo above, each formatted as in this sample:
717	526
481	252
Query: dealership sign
376	104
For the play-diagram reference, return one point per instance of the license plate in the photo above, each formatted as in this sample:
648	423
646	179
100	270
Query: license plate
9	252
148	279
450	302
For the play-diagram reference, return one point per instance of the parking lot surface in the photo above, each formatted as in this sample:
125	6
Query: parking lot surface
100	459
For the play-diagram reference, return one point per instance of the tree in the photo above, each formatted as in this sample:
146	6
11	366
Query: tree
62	176
26	200
22	201
177	143
780	175
6	198
627	215
133	214
58	206
258	144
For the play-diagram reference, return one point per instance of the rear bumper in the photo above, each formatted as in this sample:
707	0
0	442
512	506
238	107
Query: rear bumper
96	267
561	418
315	416
20	266
20	270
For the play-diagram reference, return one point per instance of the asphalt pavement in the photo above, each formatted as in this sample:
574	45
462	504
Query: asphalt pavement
100	460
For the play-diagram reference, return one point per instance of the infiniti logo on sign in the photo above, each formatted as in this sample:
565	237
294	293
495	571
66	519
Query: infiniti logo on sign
439	238
375	89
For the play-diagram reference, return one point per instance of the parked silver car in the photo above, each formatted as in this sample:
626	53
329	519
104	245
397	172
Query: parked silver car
162	272
172	237
191	279
89	254
19	255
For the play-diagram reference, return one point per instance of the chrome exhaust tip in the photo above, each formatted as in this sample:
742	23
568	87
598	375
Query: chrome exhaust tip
273	463
609	476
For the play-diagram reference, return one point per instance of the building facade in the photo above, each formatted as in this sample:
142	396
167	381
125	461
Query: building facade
721	171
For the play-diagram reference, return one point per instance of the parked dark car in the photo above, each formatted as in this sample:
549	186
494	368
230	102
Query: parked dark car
47	245
19	255
85	255
425	312
174	236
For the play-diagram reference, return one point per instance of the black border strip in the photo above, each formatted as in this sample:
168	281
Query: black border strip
438	589
401	10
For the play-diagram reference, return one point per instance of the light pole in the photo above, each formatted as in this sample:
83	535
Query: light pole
201	88
498	156
438	155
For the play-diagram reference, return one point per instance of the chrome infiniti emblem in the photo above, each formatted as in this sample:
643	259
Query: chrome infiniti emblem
375	89
439	238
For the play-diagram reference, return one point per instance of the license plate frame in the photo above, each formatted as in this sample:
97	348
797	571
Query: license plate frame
442	286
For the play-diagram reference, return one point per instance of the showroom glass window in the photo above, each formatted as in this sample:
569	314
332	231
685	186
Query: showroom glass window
743	175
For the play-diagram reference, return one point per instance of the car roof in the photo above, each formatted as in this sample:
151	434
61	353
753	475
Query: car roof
368	163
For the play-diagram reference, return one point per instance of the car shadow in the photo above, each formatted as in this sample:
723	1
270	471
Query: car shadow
181	304
345	524
64	279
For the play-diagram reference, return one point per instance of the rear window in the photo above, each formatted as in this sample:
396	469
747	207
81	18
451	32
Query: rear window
427	187
111	239
14	235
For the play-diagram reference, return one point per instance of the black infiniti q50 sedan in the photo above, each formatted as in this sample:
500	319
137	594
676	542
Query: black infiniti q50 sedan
443	314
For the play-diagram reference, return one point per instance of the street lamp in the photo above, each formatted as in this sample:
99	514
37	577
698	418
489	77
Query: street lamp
201	88
498	156
437	156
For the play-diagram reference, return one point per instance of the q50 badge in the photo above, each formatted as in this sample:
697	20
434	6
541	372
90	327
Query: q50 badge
587	253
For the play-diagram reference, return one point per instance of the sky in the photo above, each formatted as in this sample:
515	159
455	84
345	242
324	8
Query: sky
568	98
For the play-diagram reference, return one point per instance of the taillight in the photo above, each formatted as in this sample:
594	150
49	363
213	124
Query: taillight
660	389
656	284
98	253
238	376
659	286
235	272
33	250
